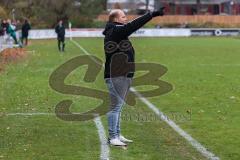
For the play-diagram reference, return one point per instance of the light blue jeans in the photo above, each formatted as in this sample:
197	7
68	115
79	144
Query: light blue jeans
118	89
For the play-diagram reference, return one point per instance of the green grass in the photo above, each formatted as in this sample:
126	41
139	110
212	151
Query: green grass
203	71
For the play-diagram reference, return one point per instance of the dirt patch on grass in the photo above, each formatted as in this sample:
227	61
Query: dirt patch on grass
11	55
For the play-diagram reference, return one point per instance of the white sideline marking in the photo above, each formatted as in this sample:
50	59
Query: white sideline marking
86	52
103	139
28	114
174	126
102	136
101	132
200	148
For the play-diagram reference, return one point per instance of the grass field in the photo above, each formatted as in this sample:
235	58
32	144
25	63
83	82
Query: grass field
205	103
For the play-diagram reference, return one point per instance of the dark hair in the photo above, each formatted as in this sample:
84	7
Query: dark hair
25	20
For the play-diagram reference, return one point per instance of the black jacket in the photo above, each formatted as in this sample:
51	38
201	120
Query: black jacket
60	30
3	28
118	49
25	29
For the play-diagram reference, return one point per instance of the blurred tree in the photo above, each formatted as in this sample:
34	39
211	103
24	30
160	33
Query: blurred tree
6	3
104	4
117	6
86	12
46	13
3	13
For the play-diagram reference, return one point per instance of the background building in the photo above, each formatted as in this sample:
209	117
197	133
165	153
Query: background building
131	5
179	7
212	7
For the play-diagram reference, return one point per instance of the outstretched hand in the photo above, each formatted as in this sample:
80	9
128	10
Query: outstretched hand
159	12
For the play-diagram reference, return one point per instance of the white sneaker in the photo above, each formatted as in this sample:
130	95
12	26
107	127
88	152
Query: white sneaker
125	140
116	142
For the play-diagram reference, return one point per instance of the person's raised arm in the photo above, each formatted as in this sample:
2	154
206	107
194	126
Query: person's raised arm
131	27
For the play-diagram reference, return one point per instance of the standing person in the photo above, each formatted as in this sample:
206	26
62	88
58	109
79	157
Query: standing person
25	31
3	31
1	34
1	28
11	31
60	30
4	26
118	77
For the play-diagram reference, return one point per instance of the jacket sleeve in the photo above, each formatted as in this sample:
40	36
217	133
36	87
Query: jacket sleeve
29	27
56	29
131	27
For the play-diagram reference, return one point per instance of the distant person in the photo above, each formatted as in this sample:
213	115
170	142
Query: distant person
118	77
4	26
60	30
25	31
1	28
11	31
1	33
